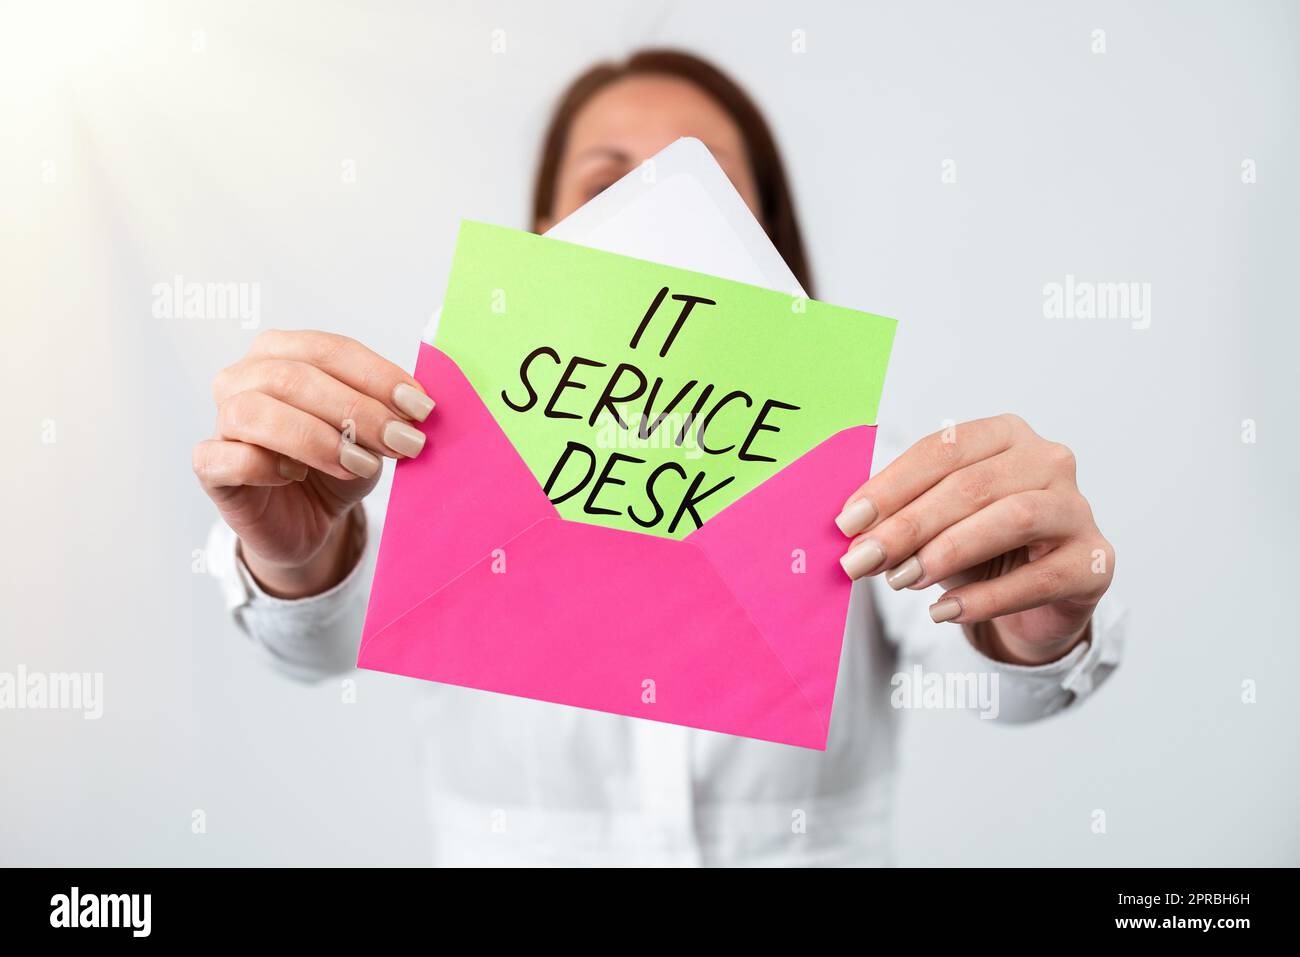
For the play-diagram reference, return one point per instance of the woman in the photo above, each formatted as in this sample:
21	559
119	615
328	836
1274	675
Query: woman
988	508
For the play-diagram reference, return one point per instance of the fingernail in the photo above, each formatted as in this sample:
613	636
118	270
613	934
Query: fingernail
293	471
357	460
863	559
945	610
856	517
908	573
411	401
403	439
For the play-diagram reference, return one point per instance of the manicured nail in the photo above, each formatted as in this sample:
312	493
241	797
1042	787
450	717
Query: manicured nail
293	471
863	559
856	518
908	573
411	401
945	610
403	439
357	460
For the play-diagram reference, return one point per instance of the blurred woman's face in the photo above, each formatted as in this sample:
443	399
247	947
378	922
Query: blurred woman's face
632	119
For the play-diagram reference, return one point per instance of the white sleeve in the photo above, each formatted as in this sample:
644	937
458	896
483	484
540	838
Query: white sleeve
308	639
1025	693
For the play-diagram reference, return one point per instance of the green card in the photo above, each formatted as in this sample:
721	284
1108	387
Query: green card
648	398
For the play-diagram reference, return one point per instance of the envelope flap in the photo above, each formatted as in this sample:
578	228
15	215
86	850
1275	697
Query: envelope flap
604	619
468	467
777	550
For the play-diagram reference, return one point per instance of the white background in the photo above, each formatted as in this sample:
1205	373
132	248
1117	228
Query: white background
225	165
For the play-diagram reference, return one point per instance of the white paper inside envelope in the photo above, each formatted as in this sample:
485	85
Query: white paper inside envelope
680	209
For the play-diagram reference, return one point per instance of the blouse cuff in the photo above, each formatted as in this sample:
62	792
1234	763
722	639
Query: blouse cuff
306	638
1028	692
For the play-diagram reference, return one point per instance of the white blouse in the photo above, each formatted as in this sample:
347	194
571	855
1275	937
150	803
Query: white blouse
515	781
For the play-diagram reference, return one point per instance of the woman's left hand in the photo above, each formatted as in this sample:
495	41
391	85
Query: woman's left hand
990	509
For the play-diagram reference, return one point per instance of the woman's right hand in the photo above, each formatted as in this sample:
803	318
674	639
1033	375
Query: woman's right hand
302	421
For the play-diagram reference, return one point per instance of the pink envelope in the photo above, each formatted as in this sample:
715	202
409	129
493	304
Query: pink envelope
481	584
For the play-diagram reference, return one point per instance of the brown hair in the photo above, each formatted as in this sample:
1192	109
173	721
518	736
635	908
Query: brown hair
776	204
